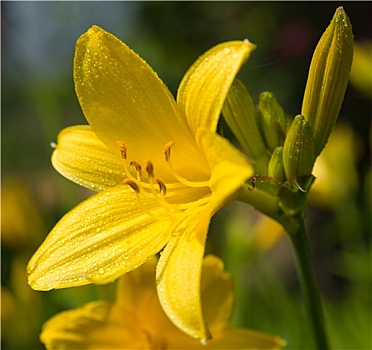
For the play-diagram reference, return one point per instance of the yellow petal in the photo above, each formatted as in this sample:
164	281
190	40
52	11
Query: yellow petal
228	339
229	168
83	158
124	100
245	339
178	279
97	325
205	86
217	295
137	289
137	293
102	238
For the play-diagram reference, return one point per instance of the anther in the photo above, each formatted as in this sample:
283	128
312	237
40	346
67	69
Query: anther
167	149
137	166
123	149
150	169
162	187
132	184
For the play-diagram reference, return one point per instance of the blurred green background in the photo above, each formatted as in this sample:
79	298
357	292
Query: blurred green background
38	100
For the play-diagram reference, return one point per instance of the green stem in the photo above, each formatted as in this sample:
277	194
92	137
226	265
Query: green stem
308	286
260	200
294	225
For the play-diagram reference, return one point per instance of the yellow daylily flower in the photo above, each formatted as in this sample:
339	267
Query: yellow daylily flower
335	170
160	169
137	321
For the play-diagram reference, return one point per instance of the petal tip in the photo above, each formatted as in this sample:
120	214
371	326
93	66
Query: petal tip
92	33
35	284
248	43
36	280
95	29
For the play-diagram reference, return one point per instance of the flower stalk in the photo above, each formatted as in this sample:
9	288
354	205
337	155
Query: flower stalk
295	227
259	199
309	289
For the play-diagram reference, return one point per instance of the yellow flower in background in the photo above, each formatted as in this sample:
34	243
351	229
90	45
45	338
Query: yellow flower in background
361	69
335	170
137	321
160	169
22	225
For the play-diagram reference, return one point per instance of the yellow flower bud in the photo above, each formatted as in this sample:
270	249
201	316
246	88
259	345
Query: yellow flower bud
298	150
328	77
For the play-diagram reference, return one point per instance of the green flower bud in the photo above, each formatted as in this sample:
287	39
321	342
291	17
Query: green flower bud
299	149
240	114
328	76
273	120
276	167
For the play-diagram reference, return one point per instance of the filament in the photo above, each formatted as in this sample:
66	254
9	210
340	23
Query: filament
167	153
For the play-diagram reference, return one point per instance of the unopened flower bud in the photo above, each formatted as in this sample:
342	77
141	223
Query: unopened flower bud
298	150
276	167
273	120
328	76
240	114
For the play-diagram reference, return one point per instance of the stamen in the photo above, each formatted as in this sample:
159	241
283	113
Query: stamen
123	149
150	169
162	187
132	184
137	166
155	189
195	204
123	152
167	153
170	216
167	149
